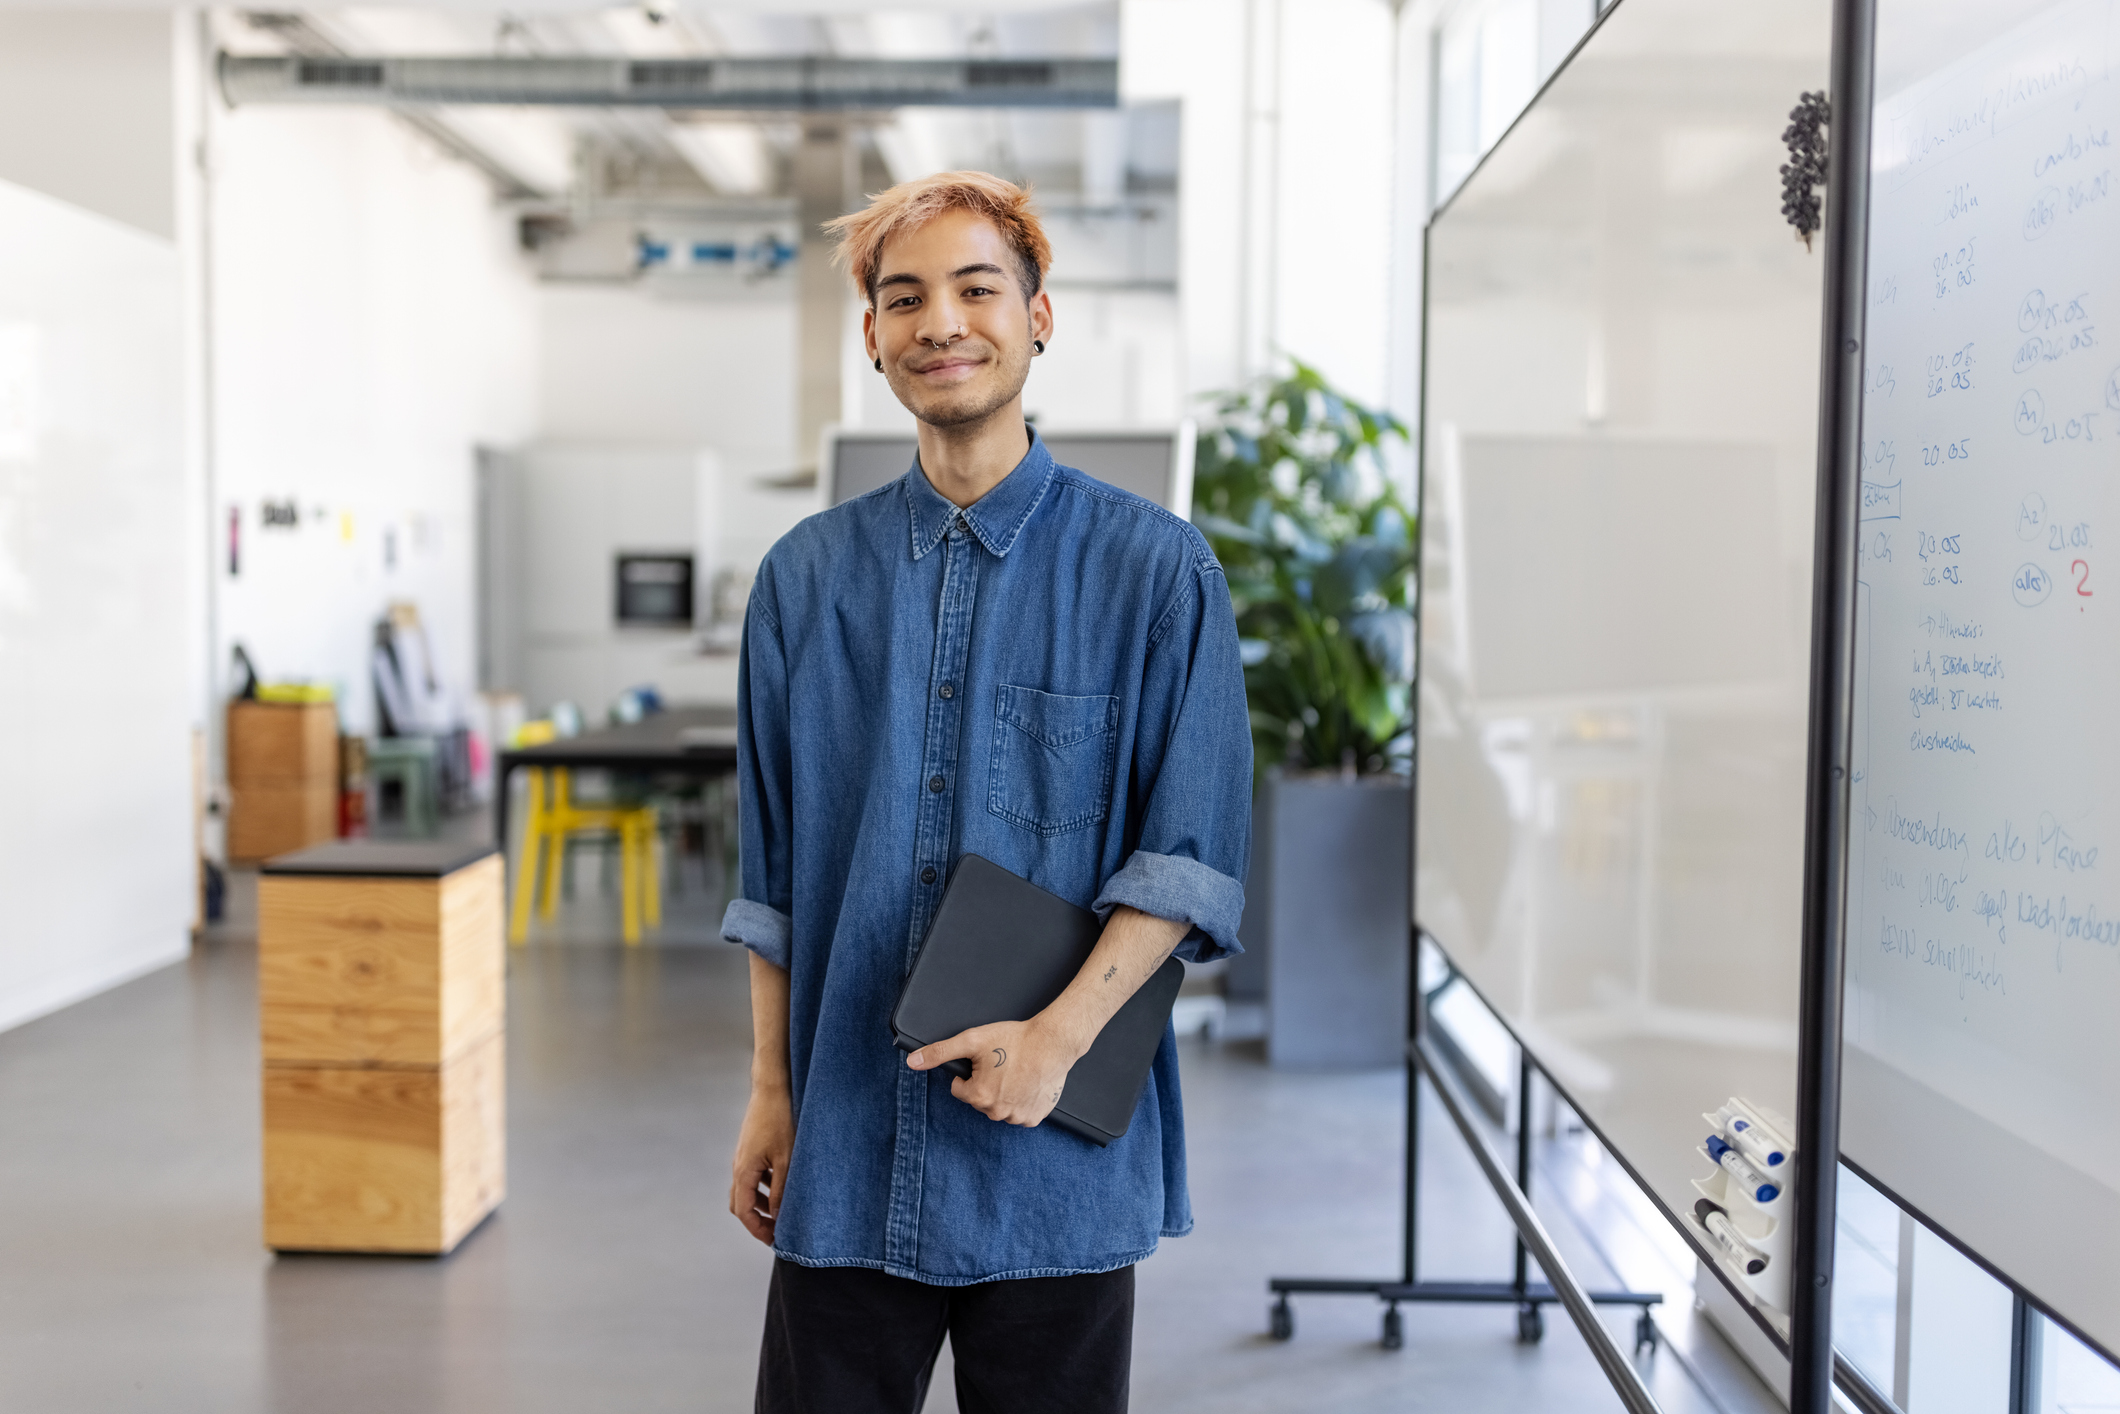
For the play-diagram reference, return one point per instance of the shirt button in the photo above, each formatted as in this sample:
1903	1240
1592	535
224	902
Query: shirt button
935	784
947	692
927	875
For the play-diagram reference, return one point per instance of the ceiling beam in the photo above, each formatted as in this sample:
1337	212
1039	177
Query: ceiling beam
745	85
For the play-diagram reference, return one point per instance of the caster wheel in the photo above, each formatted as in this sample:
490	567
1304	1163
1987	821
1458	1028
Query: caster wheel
1281	1321
1394	1329
1646	1336
1530	1325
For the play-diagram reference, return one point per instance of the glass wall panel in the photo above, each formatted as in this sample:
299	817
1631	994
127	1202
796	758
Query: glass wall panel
1491	56
2073	1378
1958	1339
1866	1280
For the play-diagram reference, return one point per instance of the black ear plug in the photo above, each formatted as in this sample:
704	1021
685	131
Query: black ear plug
879	365
1038	344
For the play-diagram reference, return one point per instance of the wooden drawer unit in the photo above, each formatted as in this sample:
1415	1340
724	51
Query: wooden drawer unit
282	743
356	969
283	777
268	820
380	1010
384	1158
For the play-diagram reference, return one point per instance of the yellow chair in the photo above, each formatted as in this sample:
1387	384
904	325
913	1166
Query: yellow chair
553	816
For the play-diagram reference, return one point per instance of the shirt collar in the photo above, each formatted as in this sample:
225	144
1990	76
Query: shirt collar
995	517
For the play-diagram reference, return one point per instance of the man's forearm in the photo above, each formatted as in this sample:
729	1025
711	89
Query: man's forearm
1133	946
769	1025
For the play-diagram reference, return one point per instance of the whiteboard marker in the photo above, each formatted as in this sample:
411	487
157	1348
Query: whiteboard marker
1736	1165
1745	1139
1728	1238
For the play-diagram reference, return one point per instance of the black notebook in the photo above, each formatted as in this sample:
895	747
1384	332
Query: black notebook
1000	949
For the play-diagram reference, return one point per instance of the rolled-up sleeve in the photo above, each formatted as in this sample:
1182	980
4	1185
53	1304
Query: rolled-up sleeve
1191	775
761	918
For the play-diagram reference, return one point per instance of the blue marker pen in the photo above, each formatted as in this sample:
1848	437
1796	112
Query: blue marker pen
1736	1165
1746	1140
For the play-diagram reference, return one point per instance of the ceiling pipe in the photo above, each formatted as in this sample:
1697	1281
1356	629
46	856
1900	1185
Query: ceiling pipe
313	46
743	85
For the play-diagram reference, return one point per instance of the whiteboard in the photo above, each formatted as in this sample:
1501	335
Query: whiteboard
1618	469
1983	957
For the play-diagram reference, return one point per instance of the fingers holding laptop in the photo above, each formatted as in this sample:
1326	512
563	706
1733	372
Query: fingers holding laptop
1018	1069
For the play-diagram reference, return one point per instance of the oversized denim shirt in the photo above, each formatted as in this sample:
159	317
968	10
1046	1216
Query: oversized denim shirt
1049	679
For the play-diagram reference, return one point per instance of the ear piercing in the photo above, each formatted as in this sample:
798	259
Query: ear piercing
1038	344
879	364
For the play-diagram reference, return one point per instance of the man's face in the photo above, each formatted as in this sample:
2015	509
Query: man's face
950	321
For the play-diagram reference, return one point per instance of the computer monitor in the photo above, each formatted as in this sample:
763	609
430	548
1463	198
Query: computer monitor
1155	462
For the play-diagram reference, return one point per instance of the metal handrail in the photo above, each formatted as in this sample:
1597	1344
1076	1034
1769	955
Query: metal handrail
1865	1396
1626	1380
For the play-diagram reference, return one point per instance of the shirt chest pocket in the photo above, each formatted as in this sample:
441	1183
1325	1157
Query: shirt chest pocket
1052	769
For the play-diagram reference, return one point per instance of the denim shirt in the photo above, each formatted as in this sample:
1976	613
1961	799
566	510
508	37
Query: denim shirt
1048	679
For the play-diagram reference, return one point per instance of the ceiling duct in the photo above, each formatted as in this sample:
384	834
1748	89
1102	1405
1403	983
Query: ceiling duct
749	85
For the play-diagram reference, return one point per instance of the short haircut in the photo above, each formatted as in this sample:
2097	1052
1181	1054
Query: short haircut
911	205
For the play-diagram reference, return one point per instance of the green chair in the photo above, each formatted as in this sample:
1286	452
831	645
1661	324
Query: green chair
409	761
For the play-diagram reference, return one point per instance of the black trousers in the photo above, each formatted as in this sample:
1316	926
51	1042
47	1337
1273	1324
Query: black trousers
848	1340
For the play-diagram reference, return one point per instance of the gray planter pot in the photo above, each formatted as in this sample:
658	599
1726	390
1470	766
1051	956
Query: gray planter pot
1325	924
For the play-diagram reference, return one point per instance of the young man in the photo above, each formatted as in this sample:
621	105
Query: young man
993	655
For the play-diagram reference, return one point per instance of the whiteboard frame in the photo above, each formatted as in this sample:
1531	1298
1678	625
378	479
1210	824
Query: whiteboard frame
1829	791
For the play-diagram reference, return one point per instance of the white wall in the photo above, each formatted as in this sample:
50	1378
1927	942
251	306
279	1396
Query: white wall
635	366
577	507
631	363
1113	361
372	324
98	595
96	840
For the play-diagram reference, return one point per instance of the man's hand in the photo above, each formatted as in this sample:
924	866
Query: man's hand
762	1150
768	1134
1018	1069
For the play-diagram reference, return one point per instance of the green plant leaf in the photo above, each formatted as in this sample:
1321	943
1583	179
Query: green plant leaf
1386	635
1317	567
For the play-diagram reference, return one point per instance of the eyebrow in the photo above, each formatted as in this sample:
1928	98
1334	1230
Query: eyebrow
983	267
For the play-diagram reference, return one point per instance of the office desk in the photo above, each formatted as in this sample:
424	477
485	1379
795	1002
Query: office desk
692	741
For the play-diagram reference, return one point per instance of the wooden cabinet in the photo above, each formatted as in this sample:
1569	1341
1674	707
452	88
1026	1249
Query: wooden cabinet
283	777
380	1012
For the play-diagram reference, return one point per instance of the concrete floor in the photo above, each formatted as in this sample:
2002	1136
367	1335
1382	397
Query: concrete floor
131	1275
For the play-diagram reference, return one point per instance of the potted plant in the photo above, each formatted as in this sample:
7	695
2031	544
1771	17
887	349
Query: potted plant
1291	491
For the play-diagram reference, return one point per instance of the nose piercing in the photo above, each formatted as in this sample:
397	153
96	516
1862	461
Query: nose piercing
946	342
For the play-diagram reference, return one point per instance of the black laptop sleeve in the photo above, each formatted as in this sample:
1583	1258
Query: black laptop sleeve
1001	949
